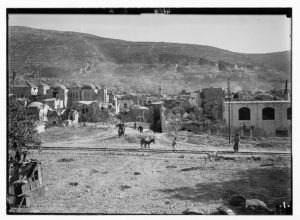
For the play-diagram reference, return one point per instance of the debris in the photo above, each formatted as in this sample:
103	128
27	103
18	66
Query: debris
181	156
136	173
264	144
123	187
105	172
66	160
267	165
73	183
194	211
255	158
25	183
93	171
172	166
224	158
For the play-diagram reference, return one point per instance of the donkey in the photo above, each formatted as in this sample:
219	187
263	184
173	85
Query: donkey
146	142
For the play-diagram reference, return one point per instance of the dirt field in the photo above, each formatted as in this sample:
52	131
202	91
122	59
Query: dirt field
106	136
151	182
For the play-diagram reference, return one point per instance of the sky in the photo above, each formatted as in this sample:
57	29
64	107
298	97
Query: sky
237	33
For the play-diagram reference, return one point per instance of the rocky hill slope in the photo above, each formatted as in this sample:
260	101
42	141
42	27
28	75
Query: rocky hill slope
139	65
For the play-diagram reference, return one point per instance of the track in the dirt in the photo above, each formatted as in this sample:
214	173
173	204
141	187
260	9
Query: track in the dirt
163	151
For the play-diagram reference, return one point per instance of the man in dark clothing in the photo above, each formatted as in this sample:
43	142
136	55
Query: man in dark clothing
174	144
236	143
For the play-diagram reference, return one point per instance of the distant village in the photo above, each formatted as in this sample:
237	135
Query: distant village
210	110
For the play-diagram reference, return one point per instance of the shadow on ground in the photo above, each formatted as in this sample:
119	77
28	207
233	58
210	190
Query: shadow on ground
269	185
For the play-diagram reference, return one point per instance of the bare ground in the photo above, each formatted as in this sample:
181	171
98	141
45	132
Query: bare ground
149	182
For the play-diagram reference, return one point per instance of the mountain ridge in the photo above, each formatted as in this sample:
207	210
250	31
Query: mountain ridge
66	54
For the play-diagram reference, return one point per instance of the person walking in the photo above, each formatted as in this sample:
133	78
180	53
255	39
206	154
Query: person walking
174	144
134	125
236	143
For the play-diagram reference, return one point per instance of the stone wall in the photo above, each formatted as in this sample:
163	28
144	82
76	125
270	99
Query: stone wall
260	126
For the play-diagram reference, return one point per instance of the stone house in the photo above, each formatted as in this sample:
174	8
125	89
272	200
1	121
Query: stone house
54	103
194	99
212	102
260	118
24	89
125	104
74	93
102	94
184	95
34	88
59	91
39	111
89	92
43	90
87	110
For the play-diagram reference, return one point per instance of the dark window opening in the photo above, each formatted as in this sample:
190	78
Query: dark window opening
244	113
55	94
289	114
268	113
125	105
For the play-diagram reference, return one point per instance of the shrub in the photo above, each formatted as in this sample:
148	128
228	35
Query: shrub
21	128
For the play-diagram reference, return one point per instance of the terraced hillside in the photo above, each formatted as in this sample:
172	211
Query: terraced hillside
70	55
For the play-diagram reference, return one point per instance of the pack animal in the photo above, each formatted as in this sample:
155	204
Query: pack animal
146	142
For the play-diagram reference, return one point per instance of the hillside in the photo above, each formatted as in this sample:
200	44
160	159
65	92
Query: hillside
138	65
279	60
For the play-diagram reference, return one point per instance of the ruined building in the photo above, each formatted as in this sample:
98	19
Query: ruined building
212	102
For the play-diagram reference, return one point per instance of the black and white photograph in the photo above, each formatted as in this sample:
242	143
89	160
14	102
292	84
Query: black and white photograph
149	111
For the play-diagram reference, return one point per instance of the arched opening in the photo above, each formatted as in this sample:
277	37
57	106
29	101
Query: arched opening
244	113
289	113
268	113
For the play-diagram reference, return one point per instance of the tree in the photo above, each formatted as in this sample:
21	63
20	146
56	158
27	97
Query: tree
21	127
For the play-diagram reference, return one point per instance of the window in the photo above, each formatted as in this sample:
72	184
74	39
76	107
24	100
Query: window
268	114
125	105
244	113
289	113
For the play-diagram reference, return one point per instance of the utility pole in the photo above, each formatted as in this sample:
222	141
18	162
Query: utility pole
229	98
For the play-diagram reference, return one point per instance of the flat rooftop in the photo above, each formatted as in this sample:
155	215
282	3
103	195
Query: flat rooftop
257	102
